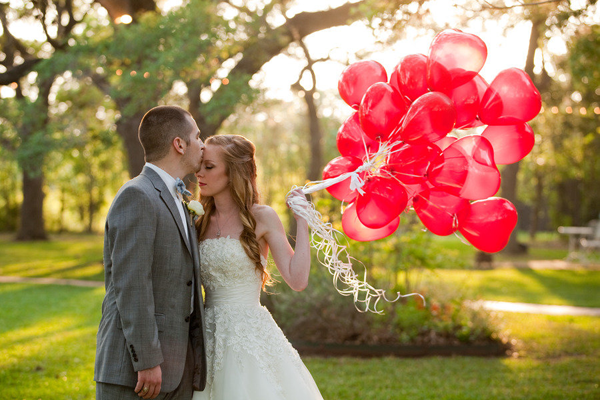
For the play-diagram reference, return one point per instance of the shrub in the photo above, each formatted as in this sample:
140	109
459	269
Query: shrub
320	314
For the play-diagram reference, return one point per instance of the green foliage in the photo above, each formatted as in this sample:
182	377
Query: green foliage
9	173
90	165
560	177
584	59
139	63
9	182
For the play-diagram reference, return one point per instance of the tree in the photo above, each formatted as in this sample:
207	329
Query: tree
214	55
548	19
89	165
32	93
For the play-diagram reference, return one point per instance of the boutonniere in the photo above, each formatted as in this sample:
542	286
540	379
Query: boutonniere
195	208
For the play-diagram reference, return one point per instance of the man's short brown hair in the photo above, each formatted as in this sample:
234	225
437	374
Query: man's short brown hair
159	127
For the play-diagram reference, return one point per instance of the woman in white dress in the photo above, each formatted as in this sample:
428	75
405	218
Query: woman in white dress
248	355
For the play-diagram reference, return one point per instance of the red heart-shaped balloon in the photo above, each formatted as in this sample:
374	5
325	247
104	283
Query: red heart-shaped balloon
409	163
355	229
455	57
384	199
352	141
429	118
381	110
437	210
466	100
511	99
444	142
487	224
511	143
467	169
357	78
413	191
337	167
410	76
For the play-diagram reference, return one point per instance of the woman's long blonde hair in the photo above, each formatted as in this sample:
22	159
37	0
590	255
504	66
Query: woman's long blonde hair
240	167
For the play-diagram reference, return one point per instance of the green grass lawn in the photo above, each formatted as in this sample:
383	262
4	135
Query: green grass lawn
80	257
558	287
47	335
47	342
558	358
63	256
546	246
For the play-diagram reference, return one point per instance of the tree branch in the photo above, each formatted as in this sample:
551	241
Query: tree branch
101	82
12	45
261	49
491	6
15	73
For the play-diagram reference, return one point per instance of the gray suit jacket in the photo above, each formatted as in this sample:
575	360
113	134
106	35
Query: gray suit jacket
149	265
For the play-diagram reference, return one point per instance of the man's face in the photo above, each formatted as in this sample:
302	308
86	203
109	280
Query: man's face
192	157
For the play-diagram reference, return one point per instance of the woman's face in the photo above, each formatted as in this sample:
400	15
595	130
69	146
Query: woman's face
212	177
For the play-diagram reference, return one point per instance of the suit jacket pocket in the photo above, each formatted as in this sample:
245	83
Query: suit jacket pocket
160	322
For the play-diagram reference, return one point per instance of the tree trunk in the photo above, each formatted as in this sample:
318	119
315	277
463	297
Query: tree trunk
509	173
61	213
31	226
91	204
537	205
316	154
127	128
509	192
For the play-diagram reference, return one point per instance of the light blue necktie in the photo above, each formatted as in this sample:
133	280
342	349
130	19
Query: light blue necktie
180	186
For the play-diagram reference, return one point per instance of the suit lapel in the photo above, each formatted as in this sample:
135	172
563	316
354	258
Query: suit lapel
169	201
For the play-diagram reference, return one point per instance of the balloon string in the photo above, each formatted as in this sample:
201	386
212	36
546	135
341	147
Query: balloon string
333	255
337	260
371	165
453	216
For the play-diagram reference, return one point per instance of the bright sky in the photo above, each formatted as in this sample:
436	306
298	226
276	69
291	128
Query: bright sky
505	50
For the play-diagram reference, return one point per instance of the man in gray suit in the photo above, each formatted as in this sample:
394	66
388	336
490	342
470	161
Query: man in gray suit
150	342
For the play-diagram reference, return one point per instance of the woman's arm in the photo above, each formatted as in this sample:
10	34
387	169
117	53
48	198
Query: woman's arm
293	264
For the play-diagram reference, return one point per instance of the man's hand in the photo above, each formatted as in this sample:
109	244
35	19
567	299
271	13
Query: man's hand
149	381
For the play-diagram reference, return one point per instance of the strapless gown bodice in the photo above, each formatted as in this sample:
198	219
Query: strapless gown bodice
248	355
228	275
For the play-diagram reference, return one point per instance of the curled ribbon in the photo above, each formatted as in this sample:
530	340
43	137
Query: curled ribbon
324	239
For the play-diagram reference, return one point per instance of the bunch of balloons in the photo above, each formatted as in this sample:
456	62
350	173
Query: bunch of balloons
396	154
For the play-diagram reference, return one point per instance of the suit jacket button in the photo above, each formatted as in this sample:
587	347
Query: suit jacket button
189	283
135	359
131	346
187	319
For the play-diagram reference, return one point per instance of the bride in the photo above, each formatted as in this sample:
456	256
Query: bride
248	355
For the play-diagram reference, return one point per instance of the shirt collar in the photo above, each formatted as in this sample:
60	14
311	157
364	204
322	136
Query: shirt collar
166	177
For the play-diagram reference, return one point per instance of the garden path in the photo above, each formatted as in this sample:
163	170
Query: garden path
490	305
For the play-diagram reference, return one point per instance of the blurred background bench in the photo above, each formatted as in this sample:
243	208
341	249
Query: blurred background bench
585	238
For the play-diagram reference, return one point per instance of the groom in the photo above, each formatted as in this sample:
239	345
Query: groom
150	342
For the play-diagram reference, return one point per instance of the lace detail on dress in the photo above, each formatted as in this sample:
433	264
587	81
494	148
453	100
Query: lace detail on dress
225	263
235	321
247	331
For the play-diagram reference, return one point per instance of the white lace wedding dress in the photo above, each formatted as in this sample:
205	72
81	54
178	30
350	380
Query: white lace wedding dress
248	355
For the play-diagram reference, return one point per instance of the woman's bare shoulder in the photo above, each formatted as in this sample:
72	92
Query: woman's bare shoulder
264	213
